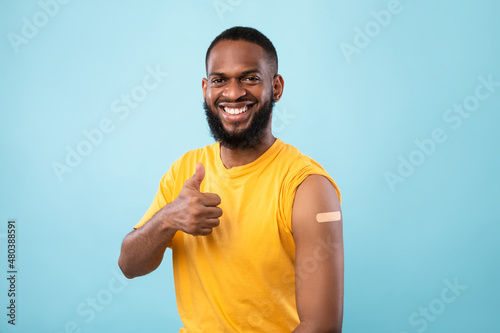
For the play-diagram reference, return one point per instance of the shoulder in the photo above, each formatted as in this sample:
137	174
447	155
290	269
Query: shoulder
183	168
316	200
192	157
287	150
199	152
317	188
302	167
297	159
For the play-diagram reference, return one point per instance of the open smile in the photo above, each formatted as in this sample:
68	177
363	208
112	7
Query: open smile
235	111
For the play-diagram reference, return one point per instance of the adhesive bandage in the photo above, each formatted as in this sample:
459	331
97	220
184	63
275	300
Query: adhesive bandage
328	217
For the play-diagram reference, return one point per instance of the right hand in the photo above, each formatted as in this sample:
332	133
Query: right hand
196	213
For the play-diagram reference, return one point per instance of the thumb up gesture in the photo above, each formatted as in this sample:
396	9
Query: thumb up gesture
194	212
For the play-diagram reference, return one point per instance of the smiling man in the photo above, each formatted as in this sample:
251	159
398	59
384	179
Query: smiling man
255	227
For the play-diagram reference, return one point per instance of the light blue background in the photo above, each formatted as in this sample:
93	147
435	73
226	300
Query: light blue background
354	117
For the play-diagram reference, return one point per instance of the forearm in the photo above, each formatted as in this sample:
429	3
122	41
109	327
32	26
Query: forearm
192	212
143	249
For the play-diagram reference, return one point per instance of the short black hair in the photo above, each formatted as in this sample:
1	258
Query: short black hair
249	35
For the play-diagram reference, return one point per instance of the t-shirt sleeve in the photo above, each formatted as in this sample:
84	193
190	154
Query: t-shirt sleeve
162	197
292	182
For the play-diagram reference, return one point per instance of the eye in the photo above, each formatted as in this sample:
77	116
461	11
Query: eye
251	79
217	81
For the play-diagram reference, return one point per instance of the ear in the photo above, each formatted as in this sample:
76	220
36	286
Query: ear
278	85
204	83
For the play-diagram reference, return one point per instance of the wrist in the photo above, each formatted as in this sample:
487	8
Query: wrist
166	220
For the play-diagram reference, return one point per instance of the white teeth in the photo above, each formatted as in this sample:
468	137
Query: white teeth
235	111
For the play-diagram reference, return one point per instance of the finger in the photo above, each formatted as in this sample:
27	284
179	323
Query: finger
211	223
212	212
210	199
205	231
199	172
195	181
207	213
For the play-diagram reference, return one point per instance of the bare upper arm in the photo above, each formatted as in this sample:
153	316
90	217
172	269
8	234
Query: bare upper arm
319	260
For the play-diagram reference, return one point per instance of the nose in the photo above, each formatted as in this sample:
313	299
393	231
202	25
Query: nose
233	90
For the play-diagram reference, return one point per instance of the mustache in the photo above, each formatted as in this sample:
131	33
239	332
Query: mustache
239	100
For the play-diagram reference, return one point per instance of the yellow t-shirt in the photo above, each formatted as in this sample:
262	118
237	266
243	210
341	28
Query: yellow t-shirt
241	277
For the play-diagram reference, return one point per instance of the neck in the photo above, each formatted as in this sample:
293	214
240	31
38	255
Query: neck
237	157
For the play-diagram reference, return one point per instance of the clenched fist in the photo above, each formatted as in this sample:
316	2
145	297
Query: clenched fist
194	212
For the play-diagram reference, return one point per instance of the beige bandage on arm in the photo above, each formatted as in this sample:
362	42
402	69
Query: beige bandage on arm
328	217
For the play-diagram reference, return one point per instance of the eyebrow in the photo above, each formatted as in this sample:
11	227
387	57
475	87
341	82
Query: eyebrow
253	70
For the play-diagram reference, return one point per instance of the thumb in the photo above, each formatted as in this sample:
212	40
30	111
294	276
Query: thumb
198	176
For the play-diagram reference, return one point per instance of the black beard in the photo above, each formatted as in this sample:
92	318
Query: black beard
247	138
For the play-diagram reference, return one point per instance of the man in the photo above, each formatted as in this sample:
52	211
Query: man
255	227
